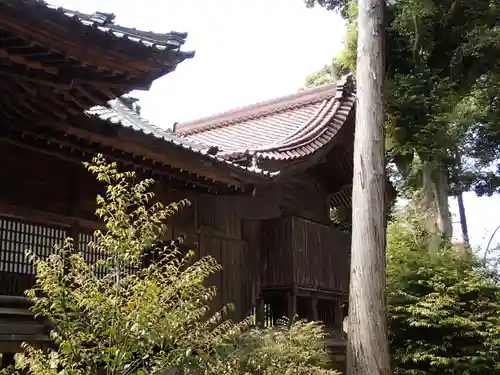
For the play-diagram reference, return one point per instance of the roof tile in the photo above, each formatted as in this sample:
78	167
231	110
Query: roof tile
116	112
104	22
284	128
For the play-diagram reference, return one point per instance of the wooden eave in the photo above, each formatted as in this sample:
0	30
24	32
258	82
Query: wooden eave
78	144
55	48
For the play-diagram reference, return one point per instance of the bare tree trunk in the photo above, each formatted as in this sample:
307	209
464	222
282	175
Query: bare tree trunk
441	191
434	203
460	199
368	348
463	218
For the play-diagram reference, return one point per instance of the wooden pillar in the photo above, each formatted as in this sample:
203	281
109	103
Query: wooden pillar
259	314
314	307
338	314
292	303
72	203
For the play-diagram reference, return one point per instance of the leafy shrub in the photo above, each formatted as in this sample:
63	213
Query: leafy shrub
444	309
292	348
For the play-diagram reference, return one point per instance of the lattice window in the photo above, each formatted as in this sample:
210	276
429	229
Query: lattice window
16	237
92	255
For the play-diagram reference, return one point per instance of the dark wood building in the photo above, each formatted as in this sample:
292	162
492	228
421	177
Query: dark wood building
261	179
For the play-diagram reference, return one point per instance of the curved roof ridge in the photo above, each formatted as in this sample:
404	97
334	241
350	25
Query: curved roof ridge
328	111
262	109
105	23
315	138
295	136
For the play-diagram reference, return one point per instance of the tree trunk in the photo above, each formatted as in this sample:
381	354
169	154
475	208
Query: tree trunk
460	199
463	218
440	190
368	348
434	203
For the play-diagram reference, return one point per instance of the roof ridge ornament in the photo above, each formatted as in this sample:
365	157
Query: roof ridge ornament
103	18
345	86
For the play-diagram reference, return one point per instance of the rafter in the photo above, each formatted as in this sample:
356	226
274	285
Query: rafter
35	29
65	79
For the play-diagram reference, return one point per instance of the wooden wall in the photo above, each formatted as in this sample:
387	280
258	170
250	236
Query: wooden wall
304	196
321	255
301	253
50	197
246	235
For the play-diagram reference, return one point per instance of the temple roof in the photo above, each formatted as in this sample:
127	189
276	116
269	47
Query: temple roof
285	128
38	34
104	22
116	112
56	63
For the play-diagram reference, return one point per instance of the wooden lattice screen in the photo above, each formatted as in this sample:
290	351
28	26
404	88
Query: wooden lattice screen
90	254
326	312
16	237
17	272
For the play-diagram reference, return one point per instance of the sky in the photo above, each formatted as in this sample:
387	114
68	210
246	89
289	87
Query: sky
246	51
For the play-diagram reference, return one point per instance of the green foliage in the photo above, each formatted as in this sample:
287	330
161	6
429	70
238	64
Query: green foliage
133	320
442	87
292	348
143	317
328	74
444	310
336	5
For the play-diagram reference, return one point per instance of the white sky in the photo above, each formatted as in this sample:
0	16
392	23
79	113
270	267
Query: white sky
246	51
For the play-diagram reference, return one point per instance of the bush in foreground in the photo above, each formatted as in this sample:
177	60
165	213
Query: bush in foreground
444	309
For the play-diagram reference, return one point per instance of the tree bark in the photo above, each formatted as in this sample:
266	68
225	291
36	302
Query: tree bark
368	348
463	218
440	191
434	203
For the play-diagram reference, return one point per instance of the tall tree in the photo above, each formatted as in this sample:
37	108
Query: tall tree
442	97
368	348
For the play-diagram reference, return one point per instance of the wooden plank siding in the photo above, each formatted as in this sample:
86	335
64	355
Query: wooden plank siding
301	253
305	197
44	194
321	256
46	198
277	255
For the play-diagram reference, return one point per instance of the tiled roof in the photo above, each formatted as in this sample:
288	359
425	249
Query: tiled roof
284	128
116	112
104	22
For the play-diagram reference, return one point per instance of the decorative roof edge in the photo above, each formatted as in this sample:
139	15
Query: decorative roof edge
104	22
305	141
119	114
340	89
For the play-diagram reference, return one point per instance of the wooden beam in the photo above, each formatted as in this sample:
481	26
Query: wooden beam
159	171
19	58
314	307
51	102
28	214
130	141
66	79
31	26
